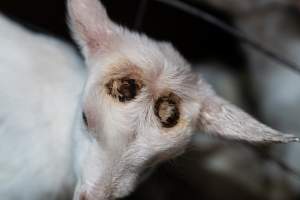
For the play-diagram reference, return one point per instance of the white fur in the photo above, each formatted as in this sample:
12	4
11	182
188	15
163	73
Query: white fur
41	80
43	136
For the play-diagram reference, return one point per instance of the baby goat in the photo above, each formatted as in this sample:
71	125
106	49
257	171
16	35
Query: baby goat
140	105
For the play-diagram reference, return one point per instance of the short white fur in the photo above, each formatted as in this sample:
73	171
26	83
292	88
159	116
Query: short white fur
44	139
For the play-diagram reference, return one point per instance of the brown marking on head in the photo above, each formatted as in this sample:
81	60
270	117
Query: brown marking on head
167	110
124	81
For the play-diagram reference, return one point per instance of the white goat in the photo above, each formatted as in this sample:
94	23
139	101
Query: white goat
140	104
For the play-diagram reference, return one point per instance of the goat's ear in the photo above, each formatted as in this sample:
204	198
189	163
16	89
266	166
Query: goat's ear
91	26
217	116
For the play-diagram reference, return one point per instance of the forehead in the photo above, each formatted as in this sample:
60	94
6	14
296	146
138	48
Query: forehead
156	77
147	52
157	64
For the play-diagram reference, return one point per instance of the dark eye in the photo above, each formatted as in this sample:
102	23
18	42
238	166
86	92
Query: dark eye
166	109
84	119
124	89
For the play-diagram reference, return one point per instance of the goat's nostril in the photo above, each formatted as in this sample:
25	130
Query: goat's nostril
166	109
127	89
124	89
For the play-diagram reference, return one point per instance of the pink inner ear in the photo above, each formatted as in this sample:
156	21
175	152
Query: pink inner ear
90	25
95	41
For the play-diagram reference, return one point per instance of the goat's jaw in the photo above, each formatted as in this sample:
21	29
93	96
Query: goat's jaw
100	175
106	188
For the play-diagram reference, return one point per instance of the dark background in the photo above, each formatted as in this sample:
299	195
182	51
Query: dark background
196	39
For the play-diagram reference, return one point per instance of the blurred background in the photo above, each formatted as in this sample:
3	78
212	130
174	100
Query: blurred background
214	169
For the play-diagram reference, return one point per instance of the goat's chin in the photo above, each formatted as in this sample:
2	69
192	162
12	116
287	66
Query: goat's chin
113	189
124	187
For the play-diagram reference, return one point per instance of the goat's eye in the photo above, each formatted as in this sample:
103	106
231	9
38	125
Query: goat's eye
166	109
124	89
84	119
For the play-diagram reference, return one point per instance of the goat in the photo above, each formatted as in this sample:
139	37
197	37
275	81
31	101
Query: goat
95	132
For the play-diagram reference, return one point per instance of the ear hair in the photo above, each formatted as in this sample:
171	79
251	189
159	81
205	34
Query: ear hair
217	116
91	26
